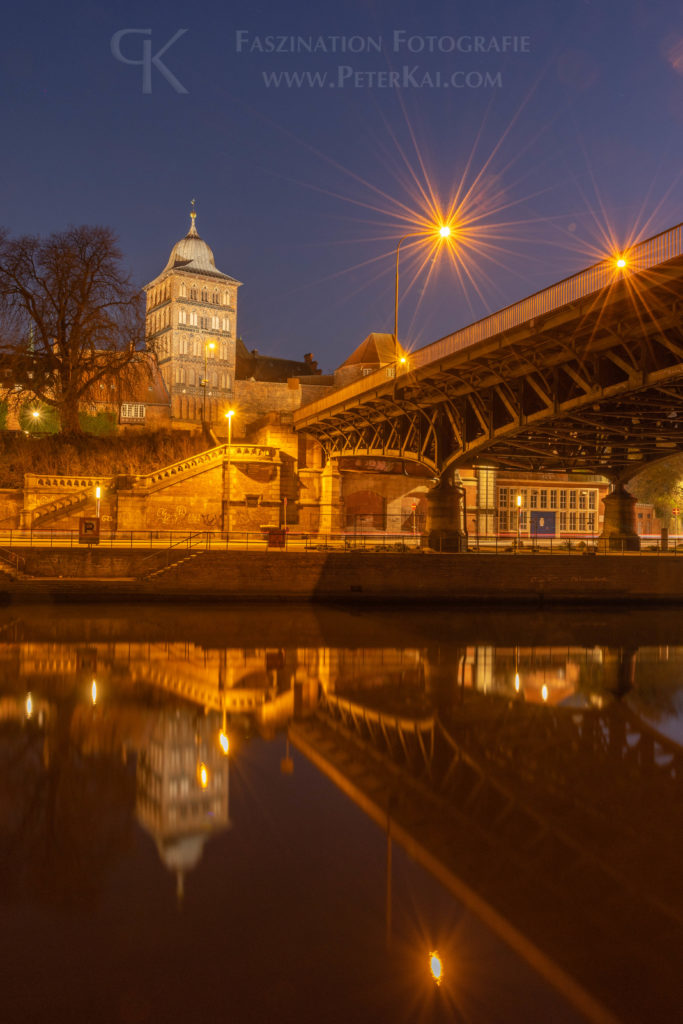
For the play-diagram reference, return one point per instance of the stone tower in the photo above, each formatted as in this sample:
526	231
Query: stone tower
191	323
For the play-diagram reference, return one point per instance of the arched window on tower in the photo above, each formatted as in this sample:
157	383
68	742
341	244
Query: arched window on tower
214	298
205	295
193	293
183	290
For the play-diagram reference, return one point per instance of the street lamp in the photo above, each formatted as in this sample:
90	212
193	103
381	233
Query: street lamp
205	382
444	231
519	515
229	415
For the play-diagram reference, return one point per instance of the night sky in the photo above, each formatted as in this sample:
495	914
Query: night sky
302	192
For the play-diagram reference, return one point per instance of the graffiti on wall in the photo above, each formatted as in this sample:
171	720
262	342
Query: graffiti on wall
175	516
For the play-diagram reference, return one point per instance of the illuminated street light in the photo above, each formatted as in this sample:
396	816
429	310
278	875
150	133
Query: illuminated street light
224	742
29	704
93	692
517	682
205	382
519	515
229	415
436	967
203	775
443	231
35	414
544	692
98	494
621	262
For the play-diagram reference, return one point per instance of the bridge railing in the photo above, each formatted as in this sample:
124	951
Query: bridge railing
642	256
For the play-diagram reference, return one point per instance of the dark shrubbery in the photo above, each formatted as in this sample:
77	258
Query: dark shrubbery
124	453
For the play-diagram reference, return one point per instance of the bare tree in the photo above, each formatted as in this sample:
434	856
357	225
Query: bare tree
69	316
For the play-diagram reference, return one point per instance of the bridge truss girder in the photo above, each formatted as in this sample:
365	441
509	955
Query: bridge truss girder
595	386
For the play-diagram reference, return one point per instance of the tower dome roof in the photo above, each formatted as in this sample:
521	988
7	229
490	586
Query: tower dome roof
193	254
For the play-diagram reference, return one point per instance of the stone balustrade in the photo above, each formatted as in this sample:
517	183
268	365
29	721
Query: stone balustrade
51	481
204	460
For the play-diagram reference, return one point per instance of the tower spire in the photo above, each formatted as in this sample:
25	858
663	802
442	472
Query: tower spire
193	218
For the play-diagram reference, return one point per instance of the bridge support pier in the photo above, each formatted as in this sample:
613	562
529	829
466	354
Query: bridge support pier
331	515
619	525
445	517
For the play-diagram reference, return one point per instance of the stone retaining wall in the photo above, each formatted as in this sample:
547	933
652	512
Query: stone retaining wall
354	576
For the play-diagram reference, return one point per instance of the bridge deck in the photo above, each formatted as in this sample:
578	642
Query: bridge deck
644	256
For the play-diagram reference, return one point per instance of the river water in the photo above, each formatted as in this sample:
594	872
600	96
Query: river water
502	788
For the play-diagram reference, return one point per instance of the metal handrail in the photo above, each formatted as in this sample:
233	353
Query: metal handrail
643	256
7	555
349	541
185	539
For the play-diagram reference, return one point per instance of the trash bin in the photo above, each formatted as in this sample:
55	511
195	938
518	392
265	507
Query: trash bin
276	538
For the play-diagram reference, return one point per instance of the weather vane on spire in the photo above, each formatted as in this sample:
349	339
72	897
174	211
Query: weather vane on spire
193	216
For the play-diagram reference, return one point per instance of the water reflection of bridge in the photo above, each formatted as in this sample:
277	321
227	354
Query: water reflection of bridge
558	825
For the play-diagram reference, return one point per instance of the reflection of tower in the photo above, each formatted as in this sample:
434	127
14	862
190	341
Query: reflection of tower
180	805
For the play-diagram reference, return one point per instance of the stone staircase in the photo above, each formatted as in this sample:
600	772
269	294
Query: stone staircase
64	494
11	564
200	463
51	510
153	574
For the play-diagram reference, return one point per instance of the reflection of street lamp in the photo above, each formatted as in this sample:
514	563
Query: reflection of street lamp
444	232
519	515
93	692
223	741
436	967
229	415
29	704
98	494
286	763
205	382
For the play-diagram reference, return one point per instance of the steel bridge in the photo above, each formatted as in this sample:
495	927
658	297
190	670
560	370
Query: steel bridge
585	375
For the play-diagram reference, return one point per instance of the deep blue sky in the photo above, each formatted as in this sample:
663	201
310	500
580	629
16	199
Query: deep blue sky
584	130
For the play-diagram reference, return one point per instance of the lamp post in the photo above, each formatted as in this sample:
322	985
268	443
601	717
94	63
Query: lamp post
519	515
229	415
205	382
444	232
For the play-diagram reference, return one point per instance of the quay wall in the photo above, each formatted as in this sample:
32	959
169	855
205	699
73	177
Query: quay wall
353	576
